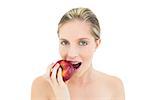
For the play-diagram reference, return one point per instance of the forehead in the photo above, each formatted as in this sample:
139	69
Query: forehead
75	29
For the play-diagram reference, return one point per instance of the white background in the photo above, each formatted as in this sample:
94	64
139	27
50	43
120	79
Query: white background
28	43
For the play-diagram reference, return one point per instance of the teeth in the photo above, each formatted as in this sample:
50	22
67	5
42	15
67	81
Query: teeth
75	62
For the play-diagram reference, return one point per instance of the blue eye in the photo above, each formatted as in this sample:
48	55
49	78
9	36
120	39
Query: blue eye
83	43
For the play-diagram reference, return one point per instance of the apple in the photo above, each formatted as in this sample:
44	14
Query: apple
67	69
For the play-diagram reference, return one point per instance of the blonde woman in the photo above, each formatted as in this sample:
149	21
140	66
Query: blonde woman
79	37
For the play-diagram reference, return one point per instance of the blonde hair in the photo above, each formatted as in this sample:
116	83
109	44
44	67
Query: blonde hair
84	14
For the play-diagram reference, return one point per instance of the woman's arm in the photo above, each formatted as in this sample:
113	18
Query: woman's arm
49	87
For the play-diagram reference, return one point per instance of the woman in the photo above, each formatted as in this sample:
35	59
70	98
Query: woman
79	37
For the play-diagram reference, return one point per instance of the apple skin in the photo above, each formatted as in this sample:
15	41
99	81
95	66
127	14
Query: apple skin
67	69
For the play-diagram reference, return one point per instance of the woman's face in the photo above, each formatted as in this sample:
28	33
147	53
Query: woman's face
77	44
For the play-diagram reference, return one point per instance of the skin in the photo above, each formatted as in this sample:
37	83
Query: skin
77	44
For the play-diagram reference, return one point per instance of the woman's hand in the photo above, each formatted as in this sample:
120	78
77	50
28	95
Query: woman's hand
59	87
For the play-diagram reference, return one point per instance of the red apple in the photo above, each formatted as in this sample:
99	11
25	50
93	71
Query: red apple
67	69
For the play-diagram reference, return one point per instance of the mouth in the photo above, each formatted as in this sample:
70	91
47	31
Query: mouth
76	65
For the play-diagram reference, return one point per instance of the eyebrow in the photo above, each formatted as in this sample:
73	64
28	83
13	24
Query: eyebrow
78	39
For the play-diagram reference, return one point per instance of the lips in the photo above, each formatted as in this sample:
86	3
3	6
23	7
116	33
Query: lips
68	68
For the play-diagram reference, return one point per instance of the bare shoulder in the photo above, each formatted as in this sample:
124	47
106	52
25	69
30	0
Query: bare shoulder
40	82
112	80
114	84
40	89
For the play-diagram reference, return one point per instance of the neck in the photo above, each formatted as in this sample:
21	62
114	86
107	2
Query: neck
82	78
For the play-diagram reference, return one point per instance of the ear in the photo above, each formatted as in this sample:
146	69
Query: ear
98	41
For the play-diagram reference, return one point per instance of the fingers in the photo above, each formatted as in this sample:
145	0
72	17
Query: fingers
60	78
50	67
47	74
54	74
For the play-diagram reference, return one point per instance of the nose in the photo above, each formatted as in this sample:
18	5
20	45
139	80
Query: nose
72	53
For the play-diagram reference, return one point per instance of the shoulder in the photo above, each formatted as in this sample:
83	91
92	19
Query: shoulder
40	82
112	83
40	88
111	80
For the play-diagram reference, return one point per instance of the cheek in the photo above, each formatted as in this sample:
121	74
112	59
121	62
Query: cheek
62	52
86	56
87	53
